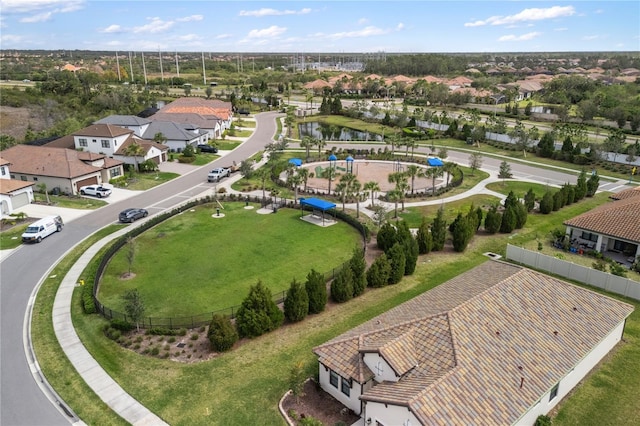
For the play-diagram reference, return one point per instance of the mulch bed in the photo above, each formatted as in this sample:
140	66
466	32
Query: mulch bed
319	405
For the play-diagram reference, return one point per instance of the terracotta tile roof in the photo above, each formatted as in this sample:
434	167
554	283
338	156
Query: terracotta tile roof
64	142
7	186
627	193
472	339
4	162
202	107
45	161
317	84
618	219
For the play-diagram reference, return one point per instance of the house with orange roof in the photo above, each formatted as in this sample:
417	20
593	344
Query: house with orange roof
212	115
64	169
14	193
612	229
497	345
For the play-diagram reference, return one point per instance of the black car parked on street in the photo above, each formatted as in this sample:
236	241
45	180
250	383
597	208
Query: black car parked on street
131	215
207	148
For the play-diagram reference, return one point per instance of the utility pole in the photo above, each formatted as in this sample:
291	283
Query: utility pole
177	65
204	72
161	71
117	65
131	66
144	69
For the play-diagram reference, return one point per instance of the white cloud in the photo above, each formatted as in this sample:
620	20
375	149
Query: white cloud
523	37
11	38
190	18
273	12
591	37
562	29
534	14
362	21
223	36
272	31
189	37
40	17
365	32
400	26
115	28
32	6
156	25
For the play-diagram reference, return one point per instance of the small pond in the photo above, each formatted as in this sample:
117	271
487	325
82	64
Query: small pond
335	133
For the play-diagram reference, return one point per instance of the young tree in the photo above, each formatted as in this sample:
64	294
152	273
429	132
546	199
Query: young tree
358	266
316	289
505	171
530	200
398	261
372	187
410	247
296	303
509	220
131	253
439	231
222	334
461	231
581	186
546	146
546	204
135	150
475	162
387	237
258	313
592	184
423	236
378	273
342	286
493	220
134	306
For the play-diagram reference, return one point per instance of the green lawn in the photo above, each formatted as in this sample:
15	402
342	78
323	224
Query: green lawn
413	215
227	145
143	181
203	264
520	188
244	385
70	202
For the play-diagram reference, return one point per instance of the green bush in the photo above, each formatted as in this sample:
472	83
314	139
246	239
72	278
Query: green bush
397	260
121	325
342	286
379	271
543	420
186	160
88	304
296	303
258	313
222	334
358	266
316	291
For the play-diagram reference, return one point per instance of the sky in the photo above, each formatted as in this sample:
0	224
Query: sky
321	26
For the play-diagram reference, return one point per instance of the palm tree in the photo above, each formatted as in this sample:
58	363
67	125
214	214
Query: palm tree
329	173
321	144
341	192
134	150
303	173
413	171
433	173
307	142
402	187
372	187
263	173
295	180
394	195
356	188
448	169
393	139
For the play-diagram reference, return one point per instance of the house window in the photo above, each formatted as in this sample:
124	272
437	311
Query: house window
589	236
82	142
333	379
115	172
4	171
24	178
346	388
35	179
105	143
554	392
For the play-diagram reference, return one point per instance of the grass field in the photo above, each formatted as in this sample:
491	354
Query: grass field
519	188
244	386
202	264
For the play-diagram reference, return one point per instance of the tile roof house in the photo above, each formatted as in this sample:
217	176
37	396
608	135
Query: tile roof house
612	228
14	193
176	135
496	345
65	169
211	115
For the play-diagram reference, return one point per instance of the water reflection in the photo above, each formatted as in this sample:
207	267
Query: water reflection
335	133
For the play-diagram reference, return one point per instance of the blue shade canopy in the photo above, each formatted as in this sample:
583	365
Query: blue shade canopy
435	162
332	157
296	162
349	158
317	203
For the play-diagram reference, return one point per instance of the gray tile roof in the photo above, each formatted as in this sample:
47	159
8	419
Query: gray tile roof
123	120
465	346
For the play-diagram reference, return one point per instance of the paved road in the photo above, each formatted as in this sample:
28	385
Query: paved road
22	400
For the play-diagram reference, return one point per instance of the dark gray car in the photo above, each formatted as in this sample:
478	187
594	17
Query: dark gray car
131	215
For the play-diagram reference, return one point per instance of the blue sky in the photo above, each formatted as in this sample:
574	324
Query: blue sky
321	26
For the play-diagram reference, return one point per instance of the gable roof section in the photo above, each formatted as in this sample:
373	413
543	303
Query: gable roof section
475	337
45	161
171	131
203	107
144	143
618	219
7	186
627	193
102	130
124	120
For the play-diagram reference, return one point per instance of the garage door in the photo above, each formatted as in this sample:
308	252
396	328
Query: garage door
20	200
85	182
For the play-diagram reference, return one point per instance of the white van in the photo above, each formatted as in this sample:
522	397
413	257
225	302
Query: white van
42	228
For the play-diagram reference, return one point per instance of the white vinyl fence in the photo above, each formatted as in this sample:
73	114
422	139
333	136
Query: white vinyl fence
583	274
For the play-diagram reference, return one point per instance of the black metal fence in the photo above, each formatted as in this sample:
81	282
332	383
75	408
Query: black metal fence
197	320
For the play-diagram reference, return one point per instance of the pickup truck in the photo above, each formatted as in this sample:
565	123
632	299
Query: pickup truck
218	173
95	190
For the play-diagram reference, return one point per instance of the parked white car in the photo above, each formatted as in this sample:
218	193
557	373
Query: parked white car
218	173
42	229
95	190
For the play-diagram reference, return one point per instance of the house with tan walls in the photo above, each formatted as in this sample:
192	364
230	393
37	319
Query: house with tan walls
14	193
64	169
499	344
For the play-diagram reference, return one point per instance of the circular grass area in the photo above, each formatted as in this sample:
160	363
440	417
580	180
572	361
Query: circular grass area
193	264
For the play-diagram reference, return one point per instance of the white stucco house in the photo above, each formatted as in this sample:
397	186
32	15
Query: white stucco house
497	345
14	193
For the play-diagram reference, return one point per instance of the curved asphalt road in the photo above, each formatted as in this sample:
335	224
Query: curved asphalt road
22	400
